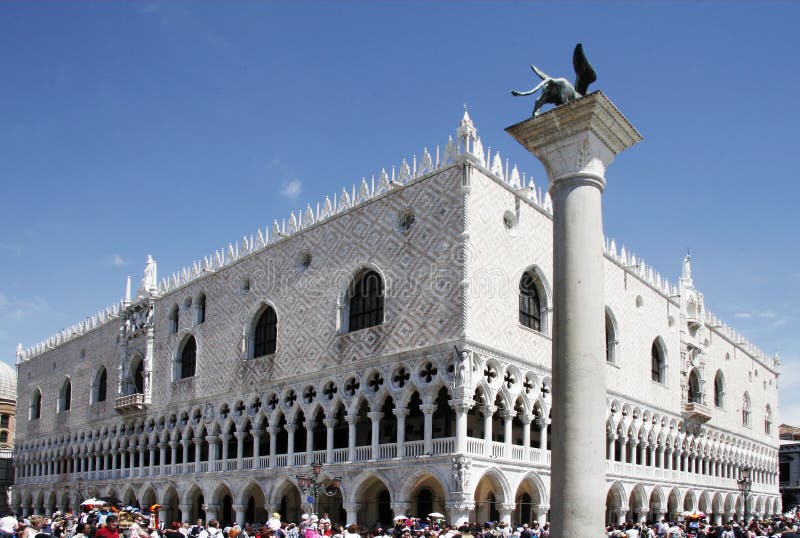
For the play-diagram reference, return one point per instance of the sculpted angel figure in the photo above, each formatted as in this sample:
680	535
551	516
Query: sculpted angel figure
559	91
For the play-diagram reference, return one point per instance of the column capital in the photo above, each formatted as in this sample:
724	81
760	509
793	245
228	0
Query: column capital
375	416
351	419
461	506
212	439
542	508
290	427
184	508
329	422
225	437
401	412
507	507
488	410
577	140
428	408
239	507
526	418
541	422
508	414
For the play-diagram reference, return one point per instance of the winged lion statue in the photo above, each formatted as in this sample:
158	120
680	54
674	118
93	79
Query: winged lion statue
559	91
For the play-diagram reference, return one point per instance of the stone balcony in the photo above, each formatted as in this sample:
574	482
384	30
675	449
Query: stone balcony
132	402
696	412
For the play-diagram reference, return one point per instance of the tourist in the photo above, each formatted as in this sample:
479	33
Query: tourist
8	525
212	531
109	530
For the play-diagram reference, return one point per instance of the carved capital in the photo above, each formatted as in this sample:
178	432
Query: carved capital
375	416
488	410
329	422
428	409
401	413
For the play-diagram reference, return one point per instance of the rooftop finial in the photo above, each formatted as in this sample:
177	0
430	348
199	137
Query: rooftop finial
128	291
686	273
150	280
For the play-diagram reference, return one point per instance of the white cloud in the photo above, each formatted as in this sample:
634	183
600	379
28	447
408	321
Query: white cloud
291	189
117	261
768	314
743	315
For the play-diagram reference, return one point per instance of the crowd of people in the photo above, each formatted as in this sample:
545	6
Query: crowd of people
106	524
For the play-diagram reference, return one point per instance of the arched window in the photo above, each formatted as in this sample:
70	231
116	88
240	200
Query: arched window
36	405
530	303
188	359
100	386
657	362
65	396
694	396
611	338
746	410
366	302
719	389
265	335
200	309
3	436
768	420
174	317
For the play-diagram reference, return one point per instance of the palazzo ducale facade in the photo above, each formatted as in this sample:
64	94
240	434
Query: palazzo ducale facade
399	334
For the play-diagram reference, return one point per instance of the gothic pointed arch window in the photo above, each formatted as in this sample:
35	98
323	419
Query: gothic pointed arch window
365	301
719	389
658	362
36	405
265	333
100	386
200	309
187	359
611	337
174	318
530	301
746	410
768	420
694	395
65	396
134	381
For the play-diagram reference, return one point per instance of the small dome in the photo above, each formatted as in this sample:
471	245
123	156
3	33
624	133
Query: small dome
8	382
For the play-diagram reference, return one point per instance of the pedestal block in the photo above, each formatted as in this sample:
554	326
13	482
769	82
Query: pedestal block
576	143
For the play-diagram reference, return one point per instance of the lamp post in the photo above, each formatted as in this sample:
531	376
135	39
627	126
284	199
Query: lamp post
745	483
314	486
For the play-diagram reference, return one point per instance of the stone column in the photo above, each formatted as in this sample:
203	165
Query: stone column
542	423
541	514
461	408
239	448
641	514
505	510
162	457
173	457
427	411
458	512
185	443
526	419
186	512
352	511
624	450
198	443
576	142
508	423
488	414
240	510
309	426
273	445
401	415
375	417
211	512
351	436
330	423
290	428
257	433
610	437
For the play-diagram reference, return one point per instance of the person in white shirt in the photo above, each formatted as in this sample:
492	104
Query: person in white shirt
212	531
8	524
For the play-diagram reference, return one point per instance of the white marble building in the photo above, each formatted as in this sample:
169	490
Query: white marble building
400	334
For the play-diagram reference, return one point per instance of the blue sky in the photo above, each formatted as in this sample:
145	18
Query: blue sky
172	129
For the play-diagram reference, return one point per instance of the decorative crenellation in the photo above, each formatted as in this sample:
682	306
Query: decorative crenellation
65	335
467	146
639	268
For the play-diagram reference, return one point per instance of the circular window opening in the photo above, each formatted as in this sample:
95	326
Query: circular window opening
639	303
304	262
509	220
406	221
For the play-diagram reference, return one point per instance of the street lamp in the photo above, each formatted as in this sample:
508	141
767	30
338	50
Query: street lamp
744	486
314	486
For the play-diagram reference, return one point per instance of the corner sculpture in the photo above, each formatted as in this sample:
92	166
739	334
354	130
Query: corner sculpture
559	91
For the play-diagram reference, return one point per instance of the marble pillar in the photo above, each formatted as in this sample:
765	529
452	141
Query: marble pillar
576	142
